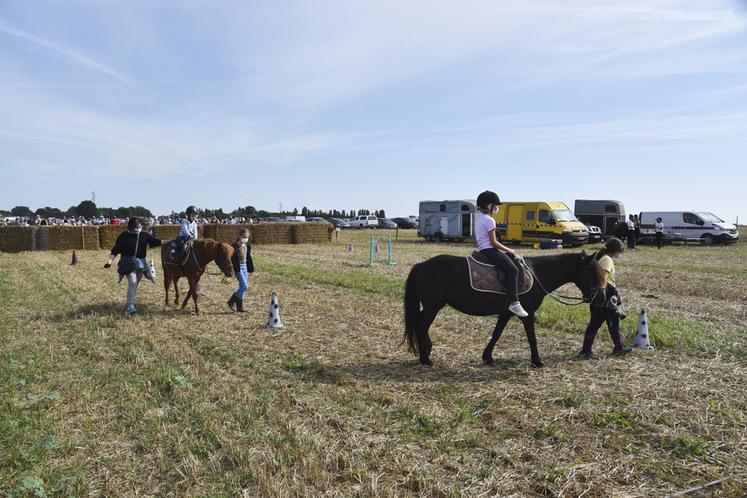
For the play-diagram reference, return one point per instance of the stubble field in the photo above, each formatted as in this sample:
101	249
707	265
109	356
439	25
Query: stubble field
172	404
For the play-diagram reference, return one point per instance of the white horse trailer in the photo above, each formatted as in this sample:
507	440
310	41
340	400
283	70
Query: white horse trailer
447	220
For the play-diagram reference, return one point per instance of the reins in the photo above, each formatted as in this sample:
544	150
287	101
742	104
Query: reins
574	301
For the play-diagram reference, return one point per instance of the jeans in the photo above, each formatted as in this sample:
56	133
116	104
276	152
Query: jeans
503	262
243	277
631	239
659	236
133	279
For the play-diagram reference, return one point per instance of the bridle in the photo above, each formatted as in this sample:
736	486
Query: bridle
564	300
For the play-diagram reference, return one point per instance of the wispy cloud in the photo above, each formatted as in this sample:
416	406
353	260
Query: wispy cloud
66	52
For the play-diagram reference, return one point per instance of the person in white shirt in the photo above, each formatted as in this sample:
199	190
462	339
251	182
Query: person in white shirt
497	253
631	232
659	229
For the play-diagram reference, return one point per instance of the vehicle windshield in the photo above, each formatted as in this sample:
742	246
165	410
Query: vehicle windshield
563	215
710	217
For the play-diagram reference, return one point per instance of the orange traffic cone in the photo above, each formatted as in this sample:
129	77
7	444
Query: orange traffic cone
74	261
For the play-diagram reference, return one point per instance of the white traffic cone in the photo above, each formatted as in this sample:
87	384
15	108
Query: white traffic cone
152	269
273	320
642	339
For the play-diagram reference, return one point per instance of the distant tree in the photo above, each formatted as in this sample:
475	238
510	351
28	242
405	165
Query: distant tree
49	212
21	211
381	214
295	211
87	209
305	211
250	211
140	211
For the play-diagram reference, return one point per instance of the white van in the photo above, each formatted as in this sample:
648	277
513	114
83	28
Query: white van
702	225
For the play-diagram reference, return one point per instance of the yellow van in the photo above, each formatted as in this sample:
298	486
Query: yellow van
532	222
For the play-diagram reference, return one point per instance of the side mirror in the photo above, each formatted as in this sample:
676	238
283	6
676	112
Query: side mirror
552	221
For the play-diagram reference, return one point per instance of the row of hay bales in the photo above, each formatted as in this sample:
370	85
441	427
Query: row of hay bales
17	239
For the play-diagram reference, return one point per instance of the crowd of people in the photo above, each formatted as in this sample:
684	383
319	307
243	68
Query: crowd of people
74	221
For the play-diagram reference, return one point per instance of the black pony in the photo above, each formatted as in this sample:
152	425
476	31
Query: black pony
444	280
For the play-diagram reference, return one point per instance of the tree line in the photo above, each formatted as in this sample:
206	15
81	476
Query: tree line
88	209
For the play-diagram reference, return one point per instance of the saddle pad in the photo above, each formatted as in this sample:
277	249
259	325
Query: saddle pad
185	254
483	277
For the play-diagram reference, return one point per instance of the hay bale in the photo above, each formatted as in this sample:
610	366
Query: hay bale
171	231
16	239
307	233
272	233
64	238
208	231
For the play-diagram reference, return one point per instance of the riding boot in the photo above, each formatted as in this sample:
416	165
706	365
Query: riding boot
240	305
232	302
586	348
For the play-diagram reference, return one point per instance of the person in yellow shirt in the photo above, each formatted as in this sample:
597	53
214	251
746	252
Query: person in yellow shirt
606	309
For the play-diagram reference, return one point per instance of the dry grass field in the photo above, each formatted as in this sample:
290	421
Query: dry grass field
172	404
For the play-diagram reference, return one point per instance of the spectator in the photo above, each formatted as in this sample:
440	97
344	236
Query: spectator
631	232
659	229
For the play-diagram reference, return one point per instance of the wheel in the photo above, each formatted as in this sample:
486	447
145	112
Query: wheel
429	238
360	227
439	237
707	239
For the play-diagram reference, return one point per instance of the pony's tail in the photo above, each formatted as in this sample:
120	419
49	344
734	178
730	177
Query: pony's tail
412	310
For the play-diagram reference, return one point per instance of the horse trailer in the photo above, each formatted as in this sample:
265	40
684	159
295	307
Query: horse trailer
447	220
601	213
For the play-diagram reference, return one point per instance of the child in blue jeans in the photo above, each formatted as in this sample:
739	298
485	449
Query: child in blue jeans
497	253
242	267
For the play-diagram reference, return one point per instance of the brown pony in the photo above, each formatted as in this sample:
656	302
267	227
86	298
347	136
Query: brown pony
202	253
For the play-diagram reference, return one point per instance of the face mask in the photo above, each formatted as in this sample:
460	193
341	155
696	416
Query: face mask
243	240
138	229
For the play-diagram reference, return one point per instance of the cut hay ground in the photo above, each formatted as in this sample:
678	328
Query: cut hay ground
214	405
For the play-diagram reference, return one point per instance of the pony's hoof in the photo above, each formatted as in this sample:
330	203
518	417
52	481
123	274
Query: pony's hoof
538	364
427	363
488	361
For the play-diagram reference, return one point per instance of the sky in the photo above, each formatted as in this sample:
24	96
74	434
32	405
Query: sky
363	104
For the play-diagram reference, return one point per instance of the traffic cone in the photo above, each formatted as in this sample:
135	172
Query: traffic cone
152	269
642	339
273	320
74	261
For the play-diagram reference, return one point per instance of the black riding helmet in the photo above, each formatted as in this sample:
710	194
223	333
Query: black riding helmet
191	210
487	198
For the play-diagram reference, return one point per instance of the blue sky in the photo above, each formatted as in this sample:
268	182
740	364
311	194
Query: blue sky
373	104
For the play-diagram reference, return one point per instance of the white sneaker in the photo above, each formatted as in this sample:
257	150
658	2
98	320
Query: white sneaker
517	309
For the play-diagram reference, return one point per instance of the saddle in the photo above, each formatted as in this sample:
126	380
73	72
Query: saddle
181	256
483	276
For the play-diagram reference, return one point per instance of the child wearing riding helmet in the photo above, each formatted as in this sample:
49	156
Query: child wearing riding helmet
187	231
497	253
604	308
242	267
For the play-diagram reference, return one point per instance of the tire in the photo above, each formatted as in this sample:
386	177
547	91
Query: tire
708	239
429	238
439	237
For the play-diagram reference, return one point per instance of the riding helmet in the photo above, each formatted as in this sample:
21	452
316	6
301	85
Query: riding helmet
191	210
487	198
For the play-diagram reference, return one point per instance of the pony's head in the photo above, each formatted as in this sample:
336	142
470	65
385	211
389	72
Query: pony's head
588	275
223	255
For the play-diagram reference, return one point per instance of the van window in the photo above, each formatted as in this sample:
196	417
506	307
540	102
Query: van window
442	208
610	208
544	216
530	215
691	219
372	217
465	207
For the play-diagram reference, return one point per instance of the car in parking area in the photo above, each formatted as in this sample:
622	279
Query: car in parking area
595	234
365	221
405	222
339	223
387	223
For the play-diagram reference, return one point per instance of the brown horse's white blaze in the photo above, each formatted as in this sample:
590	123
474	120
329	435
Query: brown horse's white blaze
203	252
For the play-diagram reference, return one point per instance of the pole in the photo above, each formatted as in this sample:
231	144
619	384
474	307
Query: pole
371	252
391	262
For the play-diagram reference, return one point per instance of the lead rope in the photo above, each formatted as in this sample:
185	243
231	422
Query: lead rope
558	297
